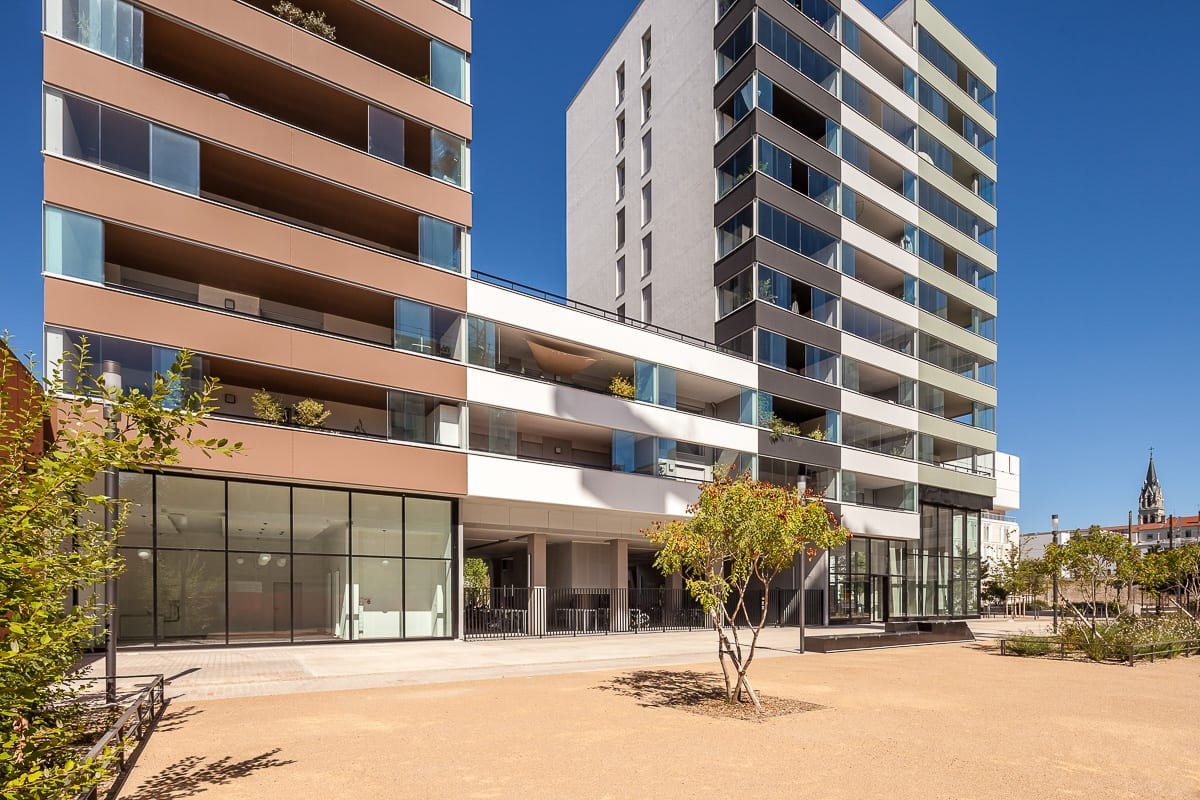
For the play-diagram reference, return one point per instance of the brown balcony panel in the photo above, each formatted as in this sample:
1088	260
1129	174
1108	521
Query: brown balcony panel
111	196
267	34
311	457
91	308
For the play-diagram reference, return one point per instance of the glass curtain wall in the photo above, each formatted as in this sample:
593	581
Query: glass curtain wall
935	577
215	561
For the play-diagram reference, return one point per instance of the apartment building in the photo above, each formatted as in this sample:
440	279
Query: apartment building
813	187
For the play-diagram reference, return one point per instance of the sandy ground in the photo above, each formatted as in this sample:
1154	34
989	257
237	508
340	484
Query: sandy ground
949	721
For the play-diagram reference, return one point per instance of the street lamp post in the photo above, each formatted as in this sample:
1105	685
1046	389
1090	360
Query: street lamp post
1054	577
802	491
112	379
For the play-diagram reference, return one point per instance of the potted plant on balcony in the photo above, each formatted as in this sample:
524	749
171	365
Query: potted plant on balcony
621	386
309	413
781	427
267	408
816	434
311	21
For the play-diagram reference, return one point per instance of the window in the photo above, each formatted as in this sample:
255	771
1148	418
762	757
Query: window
441	244
647	255
735	293
776	350
734	231
114	28
736	168
877	328
647	155
620	228
646	97
620	181
448	69
427	420
799	298
620	132
735	108
74	245
427	329
795	174
621	83
733	48
789	47
646	50
620	276
786	230
647	303
647	204
821	12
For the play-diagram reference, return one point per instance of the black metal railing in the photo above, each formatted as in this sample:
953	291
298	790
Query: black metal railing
518	612
1099	650
140	707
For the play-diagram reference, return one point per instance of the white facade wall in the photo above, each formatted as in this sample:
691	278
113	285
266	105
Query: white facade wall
681	72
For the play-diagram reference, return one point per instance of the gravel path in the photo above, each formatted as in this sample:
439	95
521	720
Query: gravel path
949	721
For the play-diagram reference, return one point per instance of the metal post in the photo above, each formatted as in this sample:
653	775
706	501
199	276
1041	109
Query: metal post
110	581
802	490
1054	577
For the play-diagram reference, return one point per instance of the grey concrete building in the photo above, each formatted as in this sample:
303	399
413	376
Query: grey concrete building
813	187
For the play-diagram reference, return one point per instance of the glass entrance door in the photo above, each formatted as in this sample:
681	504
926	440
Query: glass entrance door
878	598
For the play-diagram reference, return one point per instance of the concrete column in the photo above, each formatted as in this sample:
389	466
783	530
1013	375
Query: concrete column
618	581
535	546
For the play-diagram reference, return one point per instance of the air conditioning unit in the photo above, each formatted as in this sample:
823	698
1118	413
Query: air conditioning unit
666	469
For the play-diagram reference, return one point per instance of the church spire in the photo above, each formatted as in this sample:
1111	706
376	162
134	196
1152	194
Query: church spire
1151	507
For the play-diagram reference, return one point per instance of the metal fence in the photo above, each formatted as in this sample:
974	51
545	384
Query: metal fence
140	706
516	612
1098	651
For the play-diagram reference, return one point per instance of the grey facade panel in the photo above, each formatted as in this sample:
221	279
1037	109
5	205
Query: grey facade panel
795	21
736	261
802	449
797	266
796	84
741	196
794	326
732	80
784	384
736	323
797	205
797	144
733	18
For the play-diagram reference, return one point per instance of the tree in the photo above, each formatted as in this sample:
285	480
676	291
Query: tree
53	541
1092	560
741	532
476	582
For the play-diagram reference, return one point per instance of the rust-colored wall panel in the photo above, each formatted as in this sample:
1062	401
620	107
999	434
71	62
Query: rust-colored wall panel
432	17
20	390
279	40
91	308
289	454
110	82
107	195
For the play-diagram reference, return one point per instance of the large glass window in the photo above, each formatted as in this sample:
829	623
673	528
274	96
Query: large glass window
423	419
789	47
797	297
378	524
260	517
73	245
378	598
867	103
448	69
111	27
822	12
448	154
736	168
124	143
877	328
877	437
385	135
493	430
795	174
320	521
776	350
734	231
734	109
260	597
786	230
428	601
427	527
422	328
191	513
321	599
735	46
174	160
481	342
735	292
190	596
441	244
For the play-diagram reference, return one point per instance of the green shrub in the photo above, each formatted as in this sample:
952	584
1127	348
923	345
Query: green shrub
1029	645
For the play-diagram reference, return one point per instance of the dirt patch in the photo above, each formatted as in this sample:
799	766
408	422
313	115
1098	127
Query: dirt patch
699	693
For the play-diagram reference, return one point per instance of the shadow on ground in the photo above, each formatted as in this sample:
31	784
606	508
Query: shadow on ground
173	719
190	776
665	688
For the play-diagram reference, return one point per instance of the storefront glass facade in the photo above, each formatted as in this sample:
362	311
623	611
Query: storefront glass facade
217	561
935	577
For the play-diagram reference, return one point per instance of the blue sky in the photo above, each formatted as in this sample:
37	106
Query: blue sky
1098	274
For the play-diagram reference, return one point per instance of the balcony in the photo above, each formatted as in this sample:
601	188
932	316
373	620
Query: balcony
386	41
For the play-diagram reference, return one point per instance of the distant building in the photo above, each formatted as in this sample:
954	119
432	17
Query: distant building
19	389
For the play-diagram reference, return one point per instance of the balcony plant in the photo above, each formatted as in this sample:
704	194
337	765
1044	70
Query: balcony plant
309	413
816	434
621	386
267	408
781	427
311	21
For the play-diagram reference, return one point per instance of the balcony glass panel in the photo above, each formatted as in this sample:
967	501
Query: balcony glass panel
481	342
878	437
448	69
74	245
786	230
422	328
776	350
733	110
735	293
803	58
425	420
736	230
174	160
441	244
634	453
385	135
797	297
736	168
734	47
493	430
448	152
111	27
877	328
869	490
